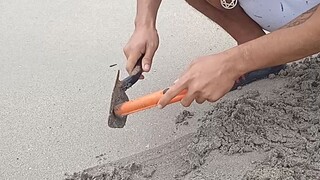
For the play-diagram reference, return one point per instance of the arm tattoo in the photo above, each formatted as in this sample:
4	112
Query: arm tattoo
302	18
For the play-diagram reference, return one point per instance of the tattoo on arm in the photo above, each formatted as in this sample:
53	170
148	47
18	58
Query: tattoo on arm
302	18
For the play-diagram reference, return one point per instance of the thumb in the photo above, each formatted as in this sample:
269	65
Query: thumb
147	59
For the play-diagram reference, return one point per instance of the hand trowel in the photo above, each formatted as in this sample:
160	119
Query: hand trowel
121	106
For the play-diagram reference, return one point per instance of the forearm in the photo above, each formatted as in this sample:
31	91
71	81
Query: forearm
147	13
280	47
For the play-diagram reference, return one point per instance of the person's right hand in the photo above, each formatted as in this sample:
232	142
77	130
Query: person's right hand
143	41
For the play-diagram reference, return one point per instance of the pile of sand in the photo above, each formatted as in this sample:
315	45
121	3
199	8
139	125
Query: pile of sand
284	124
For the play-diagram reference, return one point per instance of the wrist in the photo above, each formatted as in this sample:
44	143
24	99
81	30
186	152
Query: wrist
245	63
144	25
145	22
147	13
236	62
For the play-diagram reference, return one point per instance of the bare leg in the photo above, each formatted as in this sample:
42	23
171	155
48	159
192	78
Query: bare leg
236	22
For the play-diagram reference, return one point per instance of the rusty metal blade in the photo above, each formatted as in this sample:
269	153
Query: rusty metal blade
118	96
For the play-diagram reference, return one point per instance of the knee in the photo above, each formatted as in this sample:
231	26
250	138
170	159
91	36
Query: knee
215	3
191	2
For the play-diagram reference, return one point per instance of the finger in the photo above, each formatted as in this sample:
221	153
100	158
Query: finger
171	93
132	60
200	100
147	59
188	99
141	77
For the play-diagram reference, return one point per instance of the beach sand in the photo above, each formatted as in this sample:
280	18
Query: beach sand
268	132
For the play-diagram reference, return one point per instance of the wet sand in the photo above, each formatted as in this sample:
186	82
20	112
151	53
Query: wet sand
267	132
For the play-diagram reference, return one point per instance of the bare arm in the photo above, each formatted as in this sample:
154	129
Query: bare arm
301	38
211	77
145	39
147	12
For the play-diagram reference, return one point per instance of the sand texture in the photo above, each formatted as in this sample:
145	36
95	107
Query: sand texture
258	135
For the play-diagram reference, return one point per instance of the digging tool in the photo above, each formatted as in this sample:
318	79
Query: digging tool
121	106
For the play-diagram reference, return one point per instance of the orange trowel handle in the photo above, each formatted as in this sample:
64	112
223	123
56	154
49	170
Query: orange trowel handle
145	102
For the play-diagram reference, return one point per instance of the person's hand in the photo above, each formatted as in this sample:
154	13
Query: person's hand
143	41
208	78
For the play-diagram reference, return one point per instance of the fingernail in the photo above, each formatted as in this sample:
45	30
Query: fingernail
159	106
147	67
176	81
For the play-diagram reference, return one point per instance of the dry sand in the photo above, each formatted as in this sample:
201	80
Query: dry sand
263	134
56	82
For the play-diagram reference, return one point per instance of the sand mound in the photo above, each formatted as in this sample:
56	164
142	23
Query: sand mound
284	124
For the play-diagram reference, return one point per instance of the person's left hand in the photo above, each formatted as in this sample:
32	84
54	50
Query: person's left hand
208	78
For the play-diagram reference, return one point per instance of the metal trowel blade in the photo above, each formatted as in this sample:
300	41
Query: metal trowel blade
118	96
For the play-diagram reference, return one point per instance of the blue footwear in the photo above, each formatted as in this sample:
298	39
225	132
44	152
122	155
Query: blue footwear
257	75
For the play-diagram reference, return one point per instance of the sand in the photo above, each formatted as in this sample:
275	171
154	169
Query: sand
57	77
56	82
271	134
